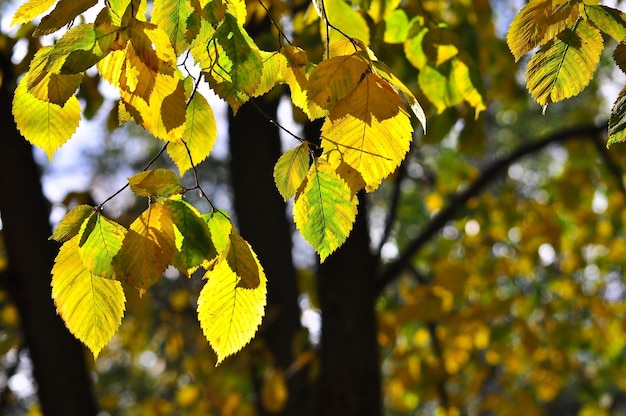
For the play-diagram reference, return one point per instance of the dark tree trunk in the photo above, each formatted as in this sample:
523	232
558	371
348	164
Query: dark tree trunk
64	385
255	147
350	380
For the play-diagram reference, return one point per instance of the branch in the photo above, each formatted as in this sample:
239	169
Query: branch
393	209
459	200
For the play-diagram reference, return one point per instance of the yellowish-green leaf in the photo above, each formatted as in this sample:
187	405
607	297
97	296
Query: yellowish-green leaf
296	76
469	82
274	67
564	66
608	20
440	45
396	26
344	17
45	125
171	16
370	130
228	313
85	45
242	260
414	49
291	169
91	306
100	239
156	182
194	244
325	210
44	80
148	247
30	10
439	86
199	135
220	225
539	22
333	79
63	14
71	223
617	120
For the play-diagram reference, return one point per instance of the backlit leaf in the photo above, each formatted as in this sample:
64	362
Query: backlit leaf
291	169
608	20
325	210
91	306
220	225
296	76
565	65
171	16
242	260
148	247
100	239
193	243
156	182
45	125
71	223
199	135
370	130
343	16
539	22
333	79
469	83
228	313
617	120
439	86
30	10
396	26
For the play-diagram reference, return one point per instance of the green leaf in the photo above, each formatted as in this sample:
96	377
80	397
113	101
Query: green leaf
91	306
220	225
148	247
291	169
157	182
564	66
45	125
193	243
228	313
62	15
397	26
242	260
617	120
71	223
414	49
538	23
199	135
439	86
171	16
608	20
100	239
325	211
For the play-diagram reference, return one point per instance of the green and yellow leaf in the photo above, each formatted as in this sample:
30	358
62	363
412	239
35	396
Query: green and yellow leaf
344	17
71	223
45	125
439	86
617	120
156	182
333	79
370	130
172	16
291	169
91	306
230	314
564	66
325	210
242	260
30	10
100	239
608	20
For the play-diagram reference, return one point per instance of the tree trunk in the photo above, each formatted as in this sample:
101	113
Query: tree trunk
64	385
350	362
255	147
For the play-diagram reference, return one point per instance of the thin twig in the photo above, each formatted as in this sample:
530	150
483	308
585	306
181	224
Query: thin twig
276	25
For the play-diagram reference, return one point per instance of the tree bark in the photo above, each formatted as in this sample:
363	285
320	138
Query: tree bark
350	359
261	216
64	385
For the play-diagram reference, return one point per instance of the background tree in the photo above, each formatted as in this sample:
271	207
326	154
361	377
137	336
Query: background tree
485	274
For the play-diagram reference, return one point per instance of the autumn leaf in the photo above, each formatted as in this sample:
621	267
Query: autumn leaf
156	182
291	169
71	223
100	239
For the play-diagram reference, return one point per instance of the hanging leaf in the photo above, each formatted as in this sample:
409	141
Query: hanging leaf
242	261
91	306
296	76
199	135
228	313
333	79
565	65
220	225
156	182
325	210
369	130
148	247
62	15
291	169
45	125
194	243
347	19
439	86
539	22
608	20
71	223
172	16
469	83
100	239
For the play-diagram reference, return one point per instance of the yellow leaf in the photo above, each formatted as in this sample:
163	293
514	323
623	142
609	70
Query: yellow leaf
335	78
344	17
274	392
539	22
45	125
31	9
296	76
91	306
291	169
370	130
71	223
148	247
229	314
